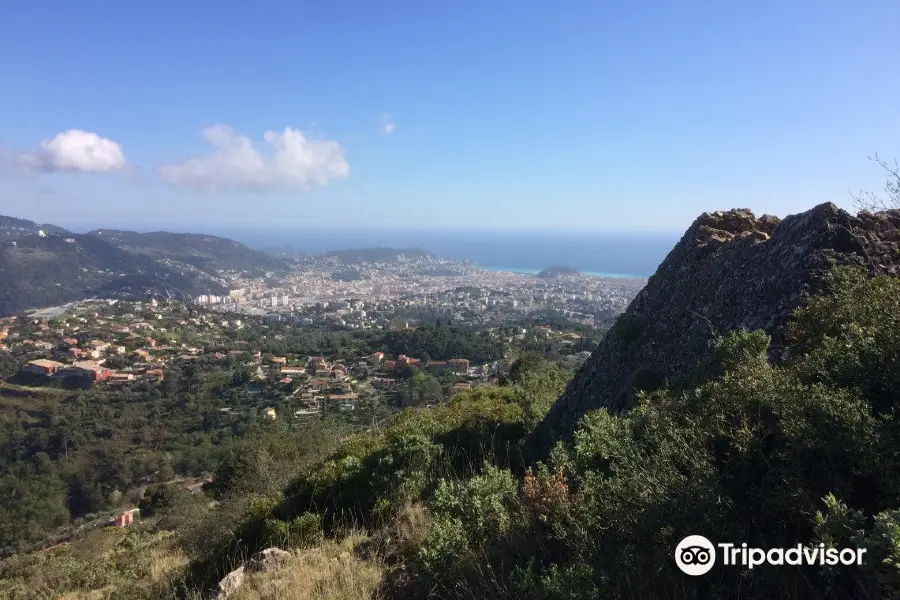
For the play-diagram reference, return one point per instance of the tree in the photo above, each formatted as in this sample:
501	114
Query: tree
161	498
527	361
241	376
873	202
408	371
8	364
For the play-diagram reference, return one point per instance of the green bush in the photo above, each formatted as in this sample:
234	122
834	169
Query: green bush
746	455
467	515
160	499
371	477
302	531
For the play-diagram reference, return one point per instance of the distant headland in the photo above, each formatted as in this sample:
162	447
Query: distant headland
557	271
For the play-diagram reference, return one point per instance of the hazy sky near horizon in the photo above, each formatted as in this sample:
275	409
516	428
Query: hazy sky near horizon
567	115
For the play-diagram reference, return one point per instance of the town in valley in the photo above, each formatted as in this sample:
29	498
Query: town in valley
386	305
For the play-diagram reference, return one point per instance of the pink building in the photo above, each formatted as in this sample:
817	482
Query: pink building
126	518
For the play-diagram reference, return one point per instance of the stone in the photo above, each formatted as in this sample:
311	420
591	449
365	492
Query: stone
267	560
229	584
730	271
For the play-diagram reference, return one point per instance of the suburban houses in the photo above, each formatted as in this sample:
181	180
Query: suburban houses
119	343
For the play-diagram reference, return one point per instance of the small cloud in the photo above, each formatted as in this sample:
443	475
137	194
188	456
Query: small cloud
74	150
388	126
294	161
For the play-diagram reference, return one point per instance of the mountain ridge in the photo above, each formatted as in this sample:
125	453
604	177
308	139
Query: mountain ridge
12	228
38	270
700	291
43	264
208	253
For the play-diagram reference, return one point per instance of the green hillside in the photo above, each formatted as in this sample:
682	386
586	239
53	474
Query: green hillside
43	265
47	270
208	253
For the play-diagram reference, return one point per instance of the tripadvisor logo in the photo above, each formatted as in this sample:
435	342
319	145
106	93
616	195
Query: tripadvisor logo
696	555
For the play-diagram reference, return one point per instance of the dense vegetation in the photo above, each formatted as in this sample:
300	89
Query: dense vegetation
43	271
73	454
443	343
69	457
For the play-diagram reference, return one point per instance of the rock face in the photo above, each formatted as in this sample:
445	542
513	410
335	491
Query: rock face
730	271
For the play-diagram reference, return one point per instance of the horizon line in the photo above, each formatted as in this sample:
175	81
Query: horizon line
221	229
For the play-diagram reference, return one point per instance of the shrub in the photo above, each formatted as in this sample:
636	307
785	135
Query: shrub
303	531
466	516
161	498
545	493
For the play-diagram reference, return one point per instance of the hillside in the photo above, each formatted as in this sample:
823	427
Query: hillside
12	228
190	251
42	265
731	271
45	270
552	272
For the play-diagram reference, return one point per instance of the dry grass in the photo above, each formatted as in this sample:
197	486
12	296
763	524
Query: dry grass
162	563
412	525
93	595
330	571
95	567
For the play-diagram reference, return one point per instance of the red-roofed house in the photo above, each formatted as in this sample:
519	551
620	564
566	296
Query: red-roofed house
89	370
43	367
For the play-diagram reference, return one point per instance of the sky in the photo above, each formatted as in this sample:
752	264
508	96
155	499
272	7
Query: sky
500	115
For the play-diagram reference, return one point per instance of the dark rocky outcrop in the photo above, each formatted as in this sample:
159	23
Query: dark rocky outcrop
730	271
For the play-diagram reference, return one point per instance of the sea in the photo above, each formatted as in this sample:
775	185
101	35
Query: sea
606	254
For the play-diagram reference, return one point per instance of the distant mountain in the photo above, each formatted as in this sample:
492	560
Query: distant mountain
360	255
551	272
215	256
43	270
42	265
12	228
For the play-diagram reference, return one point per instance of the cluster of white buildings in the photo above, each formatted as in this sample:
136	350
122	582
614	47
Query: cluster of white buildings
372	294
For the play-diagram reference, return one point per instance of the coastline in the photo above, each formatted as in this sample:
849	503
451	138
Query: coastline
523	271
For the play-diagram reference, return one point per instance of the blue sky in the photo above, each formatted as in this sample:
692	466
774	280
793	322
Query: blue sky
476	115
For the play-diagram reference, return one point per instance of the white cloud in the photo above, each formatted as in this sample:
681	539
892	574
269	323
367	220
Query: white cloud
388	126
74	150
295	161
